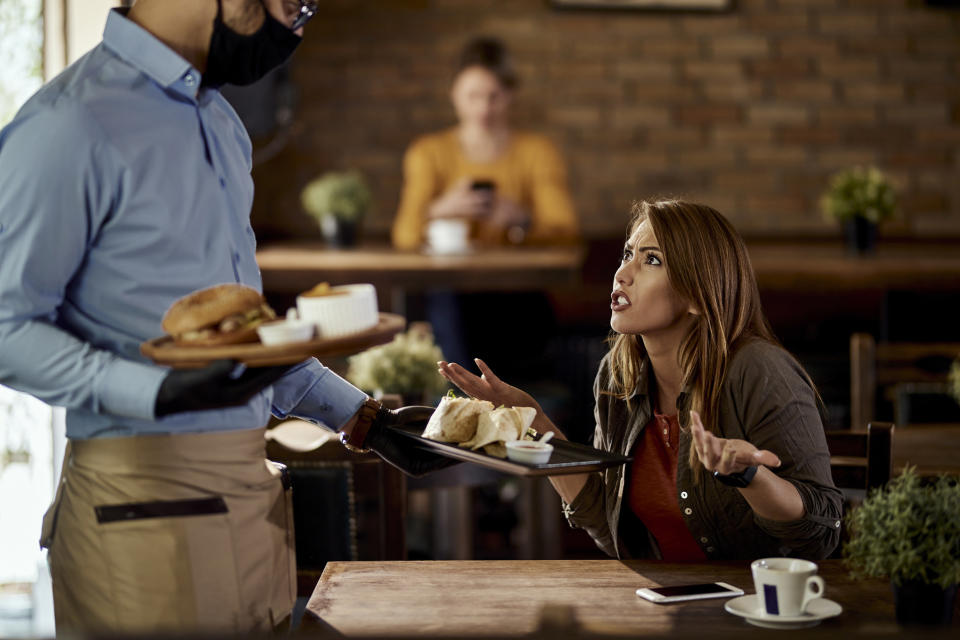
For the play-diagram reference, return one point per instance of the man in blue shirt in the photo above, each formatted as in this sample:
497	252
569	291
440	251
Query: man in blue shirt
124	185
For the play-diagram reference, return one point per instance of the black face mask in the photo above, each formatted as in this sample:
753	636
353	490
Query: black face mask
243	59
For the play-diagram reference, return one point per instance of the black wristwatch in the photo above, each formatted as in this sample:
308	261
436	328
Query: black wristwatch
741	479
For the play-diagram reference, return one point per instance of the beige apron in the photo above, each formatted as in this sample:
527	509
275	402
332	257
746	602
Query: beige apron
171	533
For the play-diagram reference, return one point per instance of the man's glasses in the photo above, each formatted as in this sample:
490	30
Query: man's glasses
307	10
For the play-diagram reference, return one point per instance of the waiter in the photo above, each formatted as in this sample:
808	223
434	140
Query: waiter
124	185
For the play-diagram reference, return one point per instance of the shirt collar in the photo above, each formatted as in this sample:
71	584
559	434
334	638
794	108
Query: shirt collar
143	50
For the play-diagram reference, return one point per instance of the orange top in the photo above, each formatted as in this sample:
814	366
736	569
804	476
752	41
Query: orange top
531	172
653	489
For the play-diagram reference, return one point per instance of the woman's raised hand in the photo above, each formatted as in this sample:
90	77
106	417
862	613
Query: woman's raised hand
724	455
486	386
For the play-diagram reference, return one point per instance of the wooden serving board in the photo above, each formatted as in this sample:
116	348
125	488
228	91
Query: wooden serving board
254	354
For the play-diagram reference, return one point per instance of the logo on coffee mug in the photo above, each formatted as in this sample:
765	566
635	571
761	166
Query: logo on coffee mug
785	586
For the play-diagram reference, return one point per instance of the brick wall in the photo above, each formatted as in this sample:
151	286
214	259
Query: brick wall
747	110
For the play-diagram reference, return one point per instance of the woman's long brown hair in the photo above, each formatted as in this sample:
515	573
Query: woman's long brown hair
707	265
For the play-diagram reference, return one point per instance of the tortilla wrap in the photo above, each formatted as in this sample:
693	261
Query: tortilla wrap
455	419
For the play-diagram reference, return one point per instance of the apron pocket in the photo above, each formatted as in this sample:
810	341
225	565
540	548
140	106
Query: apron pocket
160	509
173	570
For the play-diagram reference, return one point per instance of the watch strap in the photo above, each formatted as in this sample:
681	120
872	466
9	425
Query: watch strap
358	435
740	479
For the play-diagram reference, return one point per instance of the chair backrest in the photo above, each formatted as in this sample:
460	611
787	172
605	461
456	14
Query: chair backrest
346	506
861	460
901	367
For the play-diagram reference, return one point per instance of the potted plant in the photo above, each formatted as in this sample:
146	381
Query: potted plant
909	532
405	366
338	201
859	198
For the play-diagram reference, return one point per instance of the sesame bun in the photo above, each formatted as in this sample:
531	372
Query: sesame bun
195	318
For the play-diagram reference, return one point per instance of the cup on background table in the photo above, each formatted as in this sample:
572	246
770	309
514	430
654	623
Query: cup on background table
448	235
786	586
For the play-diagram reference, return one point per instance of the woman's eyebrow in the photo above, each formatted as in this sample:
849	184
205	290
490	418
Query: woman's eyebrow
654	247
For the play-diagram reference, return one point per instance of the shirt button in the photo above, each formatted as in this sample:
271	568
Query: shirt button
704	539
664	432
189	80
683	494
837	524
709	549
688	511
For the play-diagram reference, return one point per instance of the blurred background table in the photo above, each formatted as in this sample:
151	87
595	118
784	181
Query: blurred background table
290	268
503	598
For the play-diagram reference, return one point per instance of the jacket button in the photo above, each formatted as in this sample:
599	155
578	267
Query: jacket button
709	549
688	511
683	495
704	539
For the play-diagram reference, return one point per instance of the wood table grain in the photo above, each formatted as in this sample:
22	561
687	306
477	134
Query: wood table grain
294	267
507	598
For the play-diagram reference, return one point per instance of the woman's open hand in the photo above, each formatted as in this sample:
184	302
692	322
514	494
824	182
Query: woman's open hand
724	455
486	386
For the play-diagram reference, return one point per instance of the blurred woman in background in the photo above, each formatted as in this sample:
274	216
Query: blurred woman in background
729	455
510	186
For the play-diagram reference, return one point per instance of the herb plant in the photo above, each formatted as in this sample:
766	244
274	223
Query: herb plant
908	531
859	192
406	365
344	195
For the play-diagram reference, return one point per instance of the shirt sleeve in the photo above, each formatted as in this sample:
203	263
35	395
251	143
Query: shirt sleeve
588	510
778	409
420	187
554	220
314	393
52	205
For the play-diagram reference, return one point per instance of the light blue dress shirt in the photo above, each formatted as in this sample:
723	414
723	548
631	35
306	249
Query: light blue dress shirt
124	186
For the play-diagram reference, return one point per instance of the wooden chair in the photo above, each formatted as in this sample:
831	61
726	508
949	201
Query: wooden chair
901	369
861	460
346	506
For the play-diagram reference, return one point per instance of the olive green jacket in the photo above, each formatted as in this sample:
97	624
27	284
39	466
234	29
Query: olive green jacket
767	400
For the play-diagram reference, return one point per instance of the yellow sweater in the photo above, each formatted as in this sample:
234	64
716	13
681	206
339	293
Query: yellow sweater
531	172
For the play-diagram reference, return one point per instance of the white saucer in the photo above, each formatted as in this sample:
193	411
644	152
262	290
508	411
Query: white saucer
748	607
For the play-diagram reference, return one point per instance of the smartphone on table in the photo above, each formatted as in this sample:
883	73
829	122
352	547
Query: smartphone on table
685	592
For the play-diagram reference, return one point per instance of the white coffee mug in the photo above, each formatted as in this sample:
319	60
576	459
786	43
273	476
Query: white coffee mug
448	235
785	586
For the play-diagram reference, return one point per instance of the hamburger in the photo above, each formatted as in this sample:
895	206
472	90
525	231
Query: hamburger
224	314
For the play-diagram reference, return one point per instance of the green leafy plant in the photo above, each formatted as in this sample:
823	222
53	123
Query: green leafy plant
907	531
406	365
955	379
859	192
344	195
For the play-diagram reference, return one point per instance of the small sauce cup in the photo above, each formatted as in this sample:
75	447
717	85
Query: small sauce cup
285	332
529	451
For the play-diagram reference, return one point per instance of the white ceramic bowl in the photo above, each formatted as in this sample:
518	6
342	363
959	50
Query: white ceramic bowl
352	310
529	451
285	332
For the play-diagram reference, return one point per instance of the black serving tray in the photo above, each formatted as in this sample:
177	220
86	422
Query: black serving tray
567	457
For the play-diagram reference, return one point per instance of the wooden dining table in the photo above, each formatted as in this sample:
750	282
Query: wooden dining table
293	267
582	598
